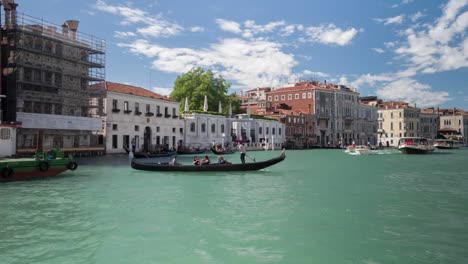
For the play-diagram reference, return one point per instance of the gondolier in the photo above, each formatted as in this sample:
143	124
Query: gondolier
242	152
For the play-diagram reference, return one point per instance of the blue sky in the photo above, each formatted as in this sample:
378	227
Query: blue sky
411	50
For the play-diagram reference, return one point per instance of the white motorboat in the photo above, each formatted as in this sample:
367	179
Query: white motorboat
446	144
415	145
358	150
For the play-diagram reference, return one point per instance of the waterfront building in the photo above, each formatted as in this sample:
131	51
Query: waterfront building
204	129
257	131
367	125
137	116
334	107
454	124
396	120
47	70
428	123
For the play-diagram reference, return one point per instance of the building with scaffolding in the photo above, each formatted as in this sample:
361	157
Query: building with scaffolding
46	74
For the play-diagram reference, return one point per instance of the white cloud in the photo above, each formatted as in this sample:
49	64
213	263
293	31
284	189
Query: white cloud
197	29
330	34
228	25
411	91
441	46
314	74
162	90
378	50
152	26
416	16
123	35
391	20
249	63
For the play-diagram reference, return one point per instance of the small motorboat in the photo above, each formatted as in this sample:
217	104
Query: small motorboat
358	150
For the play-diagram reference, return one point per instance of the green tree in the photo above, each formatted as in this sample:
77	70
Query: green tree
197	83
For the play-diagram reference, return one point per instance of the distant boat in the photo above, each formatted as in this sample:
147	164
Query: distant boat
415	145
223	151
252	166
358	150
44	164
139	155
446	144
190	151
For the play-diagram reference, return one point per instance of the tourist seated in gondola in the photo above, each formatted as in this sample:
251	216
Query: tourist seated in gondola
221	160
196	161
205	161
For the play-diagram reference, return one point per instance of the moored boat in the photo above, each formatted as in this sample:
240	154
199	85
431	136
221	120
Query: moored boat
223	151
45	164
190	151
415	145
140	155
251	166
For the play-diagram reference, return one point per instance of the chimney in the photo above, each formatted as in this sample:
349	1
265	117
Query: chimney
65	30
7	8
73	26
13	13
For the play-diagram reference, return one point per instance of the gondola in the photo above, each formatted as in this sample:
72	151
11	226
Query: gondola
252	166
224	151
140	155
183	151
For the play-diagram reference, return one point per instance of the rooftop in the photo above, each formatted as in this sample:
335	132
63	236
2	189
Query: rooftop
133	90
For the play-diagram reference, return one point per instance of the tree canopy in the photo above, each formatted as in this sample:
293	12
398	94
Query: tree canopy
197	83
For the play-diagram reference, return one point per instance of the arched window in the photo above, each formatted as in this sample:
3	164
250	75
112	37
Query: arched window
273	131
192	127
260	130
203	127
222	128
213	128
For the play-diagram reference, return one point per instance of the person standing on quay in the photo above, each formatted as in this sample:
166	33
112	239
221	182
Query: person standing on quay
242	152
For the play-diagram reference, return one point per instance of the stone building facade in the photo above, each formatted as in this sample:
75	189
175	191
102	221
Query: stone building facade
396	120
47	72
137	116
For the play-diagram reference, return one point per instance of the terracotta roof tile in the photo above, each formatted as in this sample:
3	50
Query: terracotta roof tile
133	90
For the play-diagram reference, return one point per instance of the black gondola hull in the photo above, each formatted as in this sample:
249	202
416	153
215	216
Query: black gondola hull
203	168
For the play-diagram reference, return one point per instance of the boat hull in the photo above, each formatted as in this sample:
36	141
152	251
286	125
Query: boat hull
225	152
28	169
409	150
138	165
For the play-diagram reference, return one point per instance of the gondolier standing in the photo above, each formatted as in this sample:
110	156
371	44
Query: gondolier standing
242	152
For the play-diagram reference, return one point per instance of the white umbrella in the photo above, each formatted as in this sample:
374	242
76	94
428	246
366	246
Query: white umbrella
186	108
220	109
205	104
230	110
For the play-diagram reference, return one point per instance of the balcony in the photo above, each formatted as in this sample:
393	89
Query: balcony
115	110
158	114
127	111
167	115
380	119
175	116
149	114
380	130
137	112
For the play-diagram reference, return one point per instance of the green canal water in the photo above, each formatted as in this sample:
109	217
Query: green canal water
318	206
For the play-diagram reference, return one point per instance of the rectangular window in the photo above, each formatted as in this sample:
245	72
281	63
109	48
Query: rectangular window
137	128
289	96
173	130
158	109
276	98
126	106
279	131
296	96
137	107
304	95
114	104
157	129
114	141
148	108
5	133
114	126
269	98
283	97
309	95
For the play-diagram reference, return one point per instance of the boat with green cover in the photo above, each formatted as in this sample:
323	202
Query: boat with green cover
44	164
